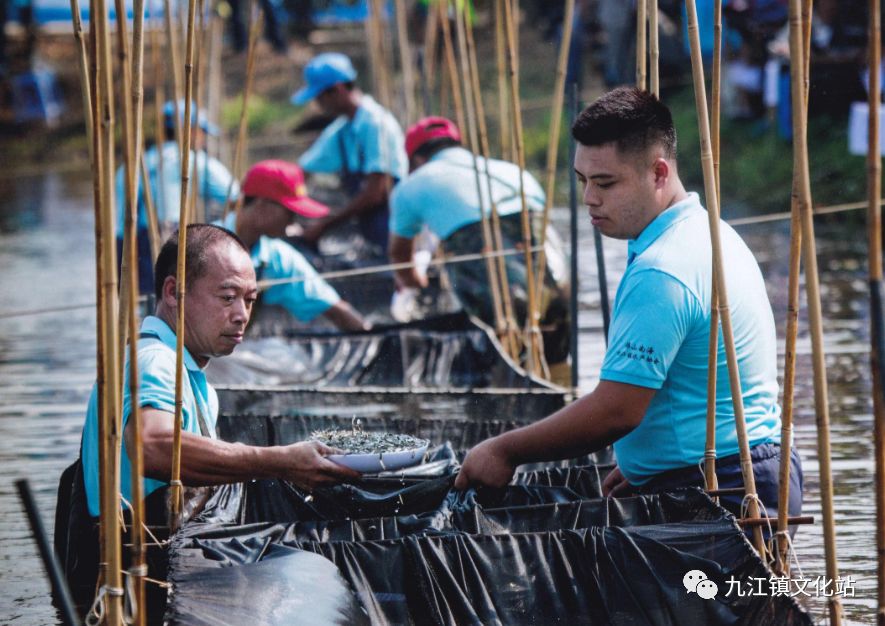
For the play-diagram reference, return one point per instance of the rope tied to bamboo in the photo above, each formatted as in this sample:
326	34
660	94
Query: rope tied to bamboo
746	504
96	613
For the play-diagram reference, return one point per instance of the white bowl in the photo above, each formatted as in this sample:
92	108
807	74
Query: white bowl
384	462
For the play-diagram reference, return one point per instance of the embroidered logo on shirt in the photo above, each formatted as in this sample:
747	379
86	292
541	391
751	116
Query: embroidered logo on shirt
639	352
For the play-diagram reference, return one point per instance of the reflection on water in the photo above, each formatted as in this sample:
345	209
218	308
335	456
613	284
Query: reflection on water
47	368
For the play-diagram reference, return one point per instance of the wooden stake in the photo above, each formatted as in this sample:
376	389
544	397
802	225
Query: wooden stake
375	28
138	568
159	143
511	330
431	33
175	58
782	562
552	152
470	97
197	206
181	276
450	62
501	60
83	66
713	213
533	359
710	477
654	47
814	308
241	149
641	44
405	58
110	370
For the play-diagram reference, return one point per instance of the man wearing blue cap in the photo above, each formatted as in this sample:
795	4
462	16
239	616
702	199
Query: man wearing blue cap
163	164
364	145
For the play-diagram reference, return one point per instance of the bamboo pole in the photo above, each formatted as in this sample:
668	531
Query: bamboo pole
641	45
83	67
377	54
710	478
129	180
181	276
511	336
159	143
814	308
725	315
470	98
405	56
552	153
428	75
241	148
197	206
138	566
877	336
501	62
450	62
110	372
533	361
654	46
782	563
175	58
214	85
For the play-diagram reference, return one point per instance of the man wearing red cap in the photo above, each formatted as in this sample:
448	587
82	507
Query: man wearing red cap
441	194
274	193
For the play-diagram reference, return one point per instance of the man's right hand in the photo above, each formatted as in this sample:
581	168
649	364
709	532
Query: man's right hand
306	465
615	484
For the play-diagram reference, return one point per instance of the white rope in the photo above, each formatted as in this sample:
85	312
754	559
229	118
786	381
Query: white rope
791	550
745	506
96	613
147	529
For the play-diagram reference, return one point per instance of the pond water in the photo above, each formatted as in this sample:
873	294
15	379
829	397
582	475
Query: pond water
47	366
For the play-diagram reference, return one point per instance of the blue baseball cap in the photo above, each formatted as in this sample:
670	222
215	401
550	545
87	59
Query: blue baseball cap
324	71
206	126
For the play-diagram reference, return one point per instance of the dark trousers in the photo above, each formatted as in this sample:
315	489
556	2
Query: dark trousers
766	459
145	262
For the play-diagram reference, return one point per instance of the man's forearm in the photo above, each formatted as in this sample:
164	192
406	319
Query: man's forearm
206	461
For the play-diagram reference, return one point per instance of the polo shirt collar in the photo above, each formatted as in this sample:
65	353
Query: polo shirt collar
153	325
669	217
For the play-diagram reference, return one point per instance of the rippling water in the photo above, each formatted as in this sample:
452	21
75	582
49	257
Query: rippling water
47	367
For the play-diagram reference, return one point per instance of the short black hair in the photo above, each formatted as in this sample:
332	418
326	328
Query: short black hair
632	119
429	148
201	238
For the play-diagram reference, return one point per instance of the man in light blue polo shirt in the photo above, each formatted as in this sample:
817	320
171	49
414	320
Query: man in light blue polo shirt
364	146
442	193
274	193
221	289
651	399
163	164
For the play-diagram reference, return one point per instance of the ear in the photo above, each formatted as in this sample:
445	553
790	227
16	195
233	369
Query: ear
661	171
169	296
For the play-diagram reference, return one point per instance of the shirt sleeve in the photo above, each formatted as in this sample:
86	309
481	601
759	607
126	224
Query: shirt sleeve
653	314
404	220
156	370
324	155
305	299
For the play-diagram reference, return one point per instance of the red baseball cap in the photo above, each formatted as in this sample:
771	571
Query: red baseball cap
282	182
430	128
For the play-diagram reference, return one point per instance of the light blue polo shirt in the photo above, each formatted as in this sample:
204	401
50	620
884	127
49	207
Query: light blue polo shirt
212	176
370	143
156	370
659	335
273	258
442	193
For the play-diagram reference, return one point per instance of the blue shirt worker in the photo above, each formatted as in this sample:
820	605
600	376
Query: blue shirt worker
364	146
220	291
651	399
274	194
441	194
163	164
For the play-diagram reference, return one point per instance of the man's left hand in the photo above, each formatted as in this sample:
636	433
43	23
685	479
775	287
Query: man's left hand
486	464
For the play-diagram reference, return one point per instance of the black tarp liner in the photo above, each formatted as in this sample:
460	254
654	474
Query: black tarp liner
521	406
528	554
441	352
